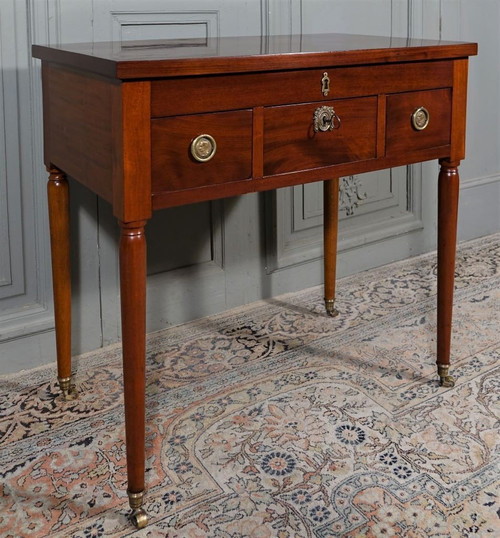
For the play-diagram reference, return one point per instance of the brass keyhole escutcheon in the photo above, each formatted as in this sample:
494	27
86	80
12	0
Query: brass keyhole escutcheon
325	119
203	148
420	118
325	84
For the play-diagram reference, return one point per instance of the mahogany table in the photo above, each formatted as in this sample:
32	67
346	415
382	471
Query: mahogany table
149	125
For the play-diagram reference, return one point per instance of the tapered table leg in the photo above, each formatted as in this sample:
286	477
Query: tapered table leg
448	187
330	233
58	198
133	308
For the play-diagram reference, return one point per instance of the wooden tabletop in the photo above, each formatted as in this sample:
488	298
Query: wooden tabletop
164	58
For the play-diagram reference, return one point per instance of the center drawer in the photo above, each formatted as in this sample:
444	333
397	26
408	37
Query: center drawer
291	142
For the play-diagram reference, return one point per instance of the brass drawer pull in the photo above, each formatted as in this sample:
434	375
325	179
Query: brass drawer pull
203	148
325	119
420	118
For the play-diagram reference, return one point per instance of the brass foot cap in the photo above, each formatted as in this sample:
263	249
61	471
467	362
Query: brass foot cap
135	499
68	390
138	517
445	379
330	308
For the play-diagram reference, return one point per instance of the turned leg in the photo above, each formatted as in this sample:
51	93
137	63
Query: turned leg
448	188
133	306
58	197
330	233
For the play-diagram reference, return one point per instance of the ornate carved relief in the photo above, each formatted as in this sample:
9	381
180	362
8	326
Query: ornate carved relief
350	194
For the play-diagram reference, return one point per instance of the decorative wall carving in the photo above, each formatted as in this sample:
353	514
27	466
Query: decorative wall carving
350	194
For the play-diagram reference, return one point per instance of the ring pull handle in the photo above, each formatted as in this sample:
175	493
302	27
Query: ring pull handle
325	119
420	118
203	148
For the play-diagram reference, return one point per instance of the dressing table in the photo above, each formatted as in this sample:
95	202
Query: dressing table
151	125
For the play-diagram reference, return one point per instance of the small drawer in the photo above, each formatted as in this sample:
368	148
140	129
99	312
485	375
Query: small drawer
174	159
418	120
291	142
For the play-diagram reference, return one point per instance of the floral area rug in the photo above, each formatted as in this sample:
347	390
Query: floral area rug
274	420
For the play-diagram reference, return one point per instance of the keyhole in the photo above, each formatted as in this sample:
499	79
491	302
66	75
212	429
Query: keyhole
325	84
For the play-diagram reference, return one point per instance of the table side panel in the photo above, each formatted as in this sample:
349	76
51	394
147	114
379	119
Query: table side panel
78	134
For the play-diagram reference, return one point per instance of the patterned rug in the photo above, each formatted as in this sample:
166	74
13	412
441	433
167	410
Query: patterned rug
274	420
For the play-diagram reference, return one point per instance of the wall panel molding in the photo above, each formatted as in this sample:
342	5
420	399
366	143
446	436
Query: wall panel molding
11	279
471	183
25	307
198	25
283	17
5	259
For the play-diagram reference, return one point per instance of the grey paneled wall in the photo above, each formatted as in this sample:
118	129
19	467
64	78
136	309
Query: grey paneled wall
25	311
374	206
208	257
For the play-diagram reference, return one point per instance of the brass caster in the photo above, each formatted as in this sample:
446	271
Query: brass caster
445	379
330	308
68	390
139	518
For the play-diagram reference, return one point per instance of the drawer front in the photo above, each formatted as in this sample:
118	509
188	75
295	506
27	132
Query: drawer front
175	168
291	142
188	95
407	134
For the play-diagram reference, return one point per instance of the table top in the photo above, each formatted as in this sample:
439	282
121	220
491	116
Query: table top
166	58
